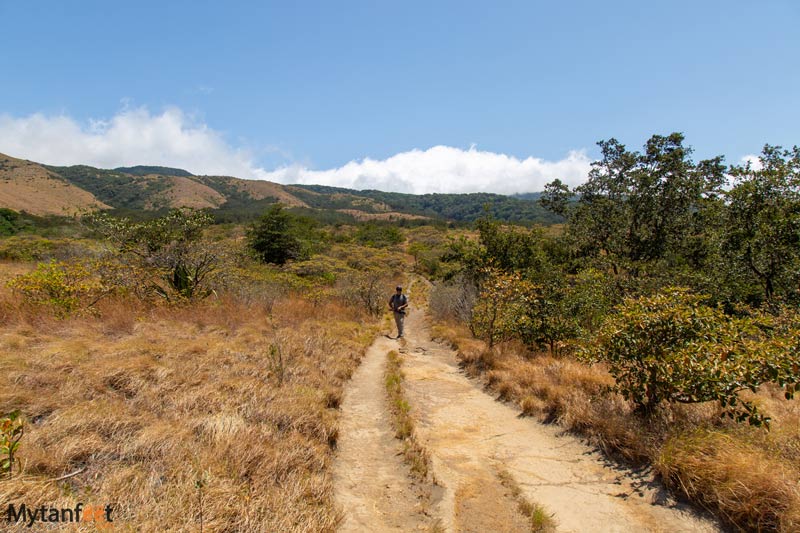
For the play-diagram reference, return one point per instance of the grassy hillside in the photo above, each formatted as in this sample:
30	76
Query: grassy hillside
115	188
29	187
155	188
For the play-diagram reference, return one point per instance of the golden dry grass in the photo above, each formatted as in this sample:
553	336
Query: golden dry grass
184	192
26	186
747	476
220	411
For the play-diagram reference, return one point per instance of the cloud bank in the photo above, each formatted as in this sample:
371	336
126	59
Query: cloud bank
753	160
172	138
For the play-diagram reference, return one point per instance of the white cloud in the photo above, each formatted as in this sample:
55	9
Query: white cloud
755	162
131	137
444	169
137	137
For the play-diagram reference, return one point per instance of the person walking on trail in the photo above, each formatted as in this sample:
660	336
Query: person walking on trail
398	304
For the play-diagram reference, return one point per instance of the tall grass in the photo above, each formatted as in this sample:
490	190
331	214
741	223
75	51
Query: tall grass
177	415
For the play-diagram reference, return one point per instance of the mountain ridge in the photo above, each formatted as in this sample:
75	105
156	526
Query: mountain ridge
59	190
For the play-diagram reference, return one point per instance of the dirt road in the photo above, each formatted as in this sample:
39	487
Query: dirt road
473	440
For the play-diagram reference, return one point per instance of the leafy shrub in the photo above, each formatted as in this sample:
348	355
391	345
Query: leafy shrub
36	248
26	248
378	235
673	348
9	221
66	287
168	252
500	312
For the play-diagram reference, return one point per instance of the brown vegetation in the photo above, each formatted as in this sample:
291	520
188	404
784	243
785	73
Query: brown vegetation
26	186
222	412
184	192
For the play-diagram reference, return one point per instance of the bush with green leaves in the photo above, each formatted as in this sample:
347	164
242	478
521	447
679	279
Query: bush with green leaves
761	237
671	347
66	287
499	314
378	235
168	251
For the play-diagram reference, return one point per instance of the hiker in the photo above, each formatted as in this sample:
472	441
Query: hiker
398	304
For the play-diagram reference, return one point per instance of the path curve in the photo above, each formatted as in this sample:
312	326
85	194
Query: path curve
471	436
474	442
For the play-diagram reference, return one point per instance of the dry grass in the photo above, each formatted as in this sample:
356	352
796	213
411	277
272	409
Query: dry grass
747	476
161	409
26	186
183	192
540	520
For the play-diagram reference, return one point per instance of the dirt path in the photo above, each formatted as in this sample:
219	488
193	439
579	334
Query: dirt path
473	440
373	486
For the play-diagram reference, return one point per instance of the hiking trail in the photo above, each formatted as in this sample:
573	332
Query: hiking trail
473	440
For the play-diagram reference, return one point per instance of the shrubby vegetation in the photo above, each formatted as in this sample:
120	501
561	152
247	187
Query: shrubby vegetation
660	319
278	237
680	282
459	207
163	338
642	223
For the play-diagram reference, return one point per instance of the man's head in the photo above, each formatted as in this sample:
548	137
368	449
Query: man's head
399	289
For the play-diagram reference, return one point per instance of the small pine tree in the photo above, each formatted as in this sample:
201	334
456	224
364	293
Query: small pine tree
273	237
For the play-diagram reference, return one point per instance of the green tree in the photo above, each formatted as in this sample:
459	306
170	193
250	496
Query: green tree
556	197
274	237
762	222
643	206
548	321
9	221
510	248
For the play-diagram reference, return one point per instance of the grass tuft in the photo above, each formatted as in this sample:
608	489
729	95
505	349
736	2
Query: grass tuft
415	455
540	520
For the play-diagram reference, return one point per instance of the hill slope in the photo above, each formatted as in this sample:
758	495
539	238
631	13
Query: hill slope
42	189
27	186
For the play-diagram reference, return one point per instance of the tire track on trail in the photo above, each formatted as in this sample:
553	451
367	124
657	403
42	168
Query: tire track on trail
372	485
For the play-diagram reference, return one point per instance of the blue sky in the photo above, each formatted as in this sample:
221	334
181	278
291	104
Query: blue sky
304	86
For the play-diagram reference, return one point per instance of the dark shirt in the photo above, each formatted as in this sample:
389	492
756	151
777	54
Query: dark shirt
396	301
